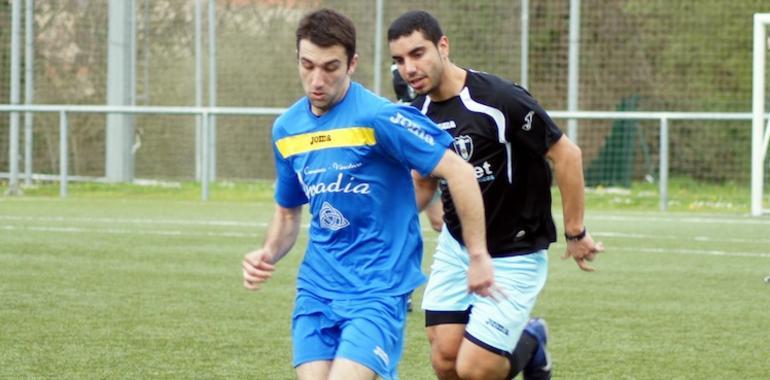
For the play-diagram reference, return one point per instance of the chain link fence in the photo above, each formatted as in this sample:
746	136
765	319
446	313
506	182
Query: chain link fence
635	55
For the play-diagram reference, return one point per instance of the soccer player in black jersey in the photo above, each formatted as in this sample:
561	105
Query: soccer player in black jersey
406	94
501	130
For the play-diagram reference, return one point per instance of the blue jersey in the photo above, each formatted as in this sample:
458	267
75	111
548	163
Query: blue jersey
352	166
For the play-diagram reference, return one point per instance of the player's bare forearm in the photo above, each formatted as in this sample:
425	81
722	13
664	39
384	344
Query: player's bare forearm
466	197
568	169
282	232
424	189
258	265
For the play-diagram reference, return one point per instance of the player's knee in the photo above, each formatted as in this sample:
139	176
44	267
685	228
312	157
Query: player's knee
481	365
444	370
472	371
443	359
467	371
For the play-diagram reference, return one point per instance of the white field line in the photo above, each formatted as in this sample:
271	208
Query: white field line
118	231
682	219
144	221
700	252
234	223
680	238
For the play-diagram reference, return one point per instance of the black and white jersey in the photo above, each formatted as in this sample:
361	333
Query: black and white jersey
500	129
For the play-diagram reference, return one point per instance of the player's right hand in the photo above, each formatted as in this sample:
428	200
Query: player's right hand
256	269
481	278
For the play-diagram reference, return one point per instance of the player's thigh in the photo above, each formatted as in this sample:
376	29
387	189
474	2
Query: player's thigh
315	370
497	324
445	340
345	369
447	288
315	330
373	334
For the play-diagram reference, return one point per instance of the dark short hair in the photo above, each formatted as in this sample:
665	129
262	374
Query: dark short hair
327	28
410	22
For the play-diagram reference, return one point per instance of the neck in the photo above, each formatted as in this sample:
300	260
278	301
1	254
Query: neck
452	82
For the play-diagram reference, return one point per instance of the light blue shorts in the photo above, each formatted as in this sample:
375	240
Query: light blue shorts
368	331
494	325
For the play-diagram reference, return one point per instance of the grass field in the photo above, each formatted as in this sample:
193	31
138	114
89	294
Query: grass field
115	282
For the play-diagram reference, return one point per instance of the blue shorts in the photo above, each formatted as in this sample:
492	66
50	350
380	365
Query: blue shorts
368	331
495	326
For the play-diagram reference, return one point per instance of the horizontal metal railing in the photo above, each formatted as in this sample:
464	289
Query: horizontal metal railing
205	113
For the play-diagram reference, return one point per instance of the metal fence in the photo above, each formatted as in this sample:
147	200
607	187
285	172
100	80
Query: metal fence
632	55
619	169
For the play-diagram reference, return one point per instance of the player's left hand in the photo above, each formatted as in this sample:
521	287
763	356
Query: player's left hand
583	251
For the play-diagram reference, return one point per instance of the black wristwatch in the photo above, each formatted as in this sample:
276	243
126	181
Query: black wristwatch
577	237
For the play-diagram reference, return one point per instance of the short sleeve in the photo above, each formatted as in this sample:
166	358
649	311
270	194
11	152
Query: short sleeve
288	188
529	126
410	137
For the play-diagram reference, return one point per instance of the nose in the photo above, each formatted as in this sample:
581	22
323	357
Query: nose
316	79
409	67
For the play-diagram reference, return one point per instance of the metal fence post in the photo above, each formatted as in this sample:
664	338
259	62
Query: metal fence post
663	181
205	156
29	87
573	68
15	63
212	89
378	47
63	154
524	76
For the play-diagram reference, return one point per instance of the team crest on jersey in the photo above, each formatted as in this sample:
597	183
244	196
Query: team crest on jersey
331	218
464	146
528	121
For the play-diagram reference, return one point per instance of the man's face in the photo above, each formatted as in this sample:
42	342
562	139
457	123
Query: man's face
419	61
325	74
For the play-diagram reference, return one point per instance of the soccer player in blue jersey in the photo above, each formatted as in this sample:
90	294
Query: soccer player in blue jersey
348	153
501	130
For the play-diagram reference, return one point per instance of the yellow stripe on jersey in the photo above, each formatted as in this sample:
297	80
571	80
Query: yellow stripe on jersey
335	138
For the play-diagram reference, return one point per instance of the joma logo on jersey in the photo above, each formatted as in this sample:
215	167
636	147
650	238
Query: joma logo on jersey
412	127
497	326
317	139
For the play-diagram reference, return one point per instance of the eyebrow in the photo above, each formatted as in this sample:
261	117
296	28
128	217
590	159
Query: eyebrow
410	52
327	63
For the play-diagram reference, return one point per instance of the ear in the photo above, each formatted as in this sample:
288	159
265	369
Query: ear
353	64
443	47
